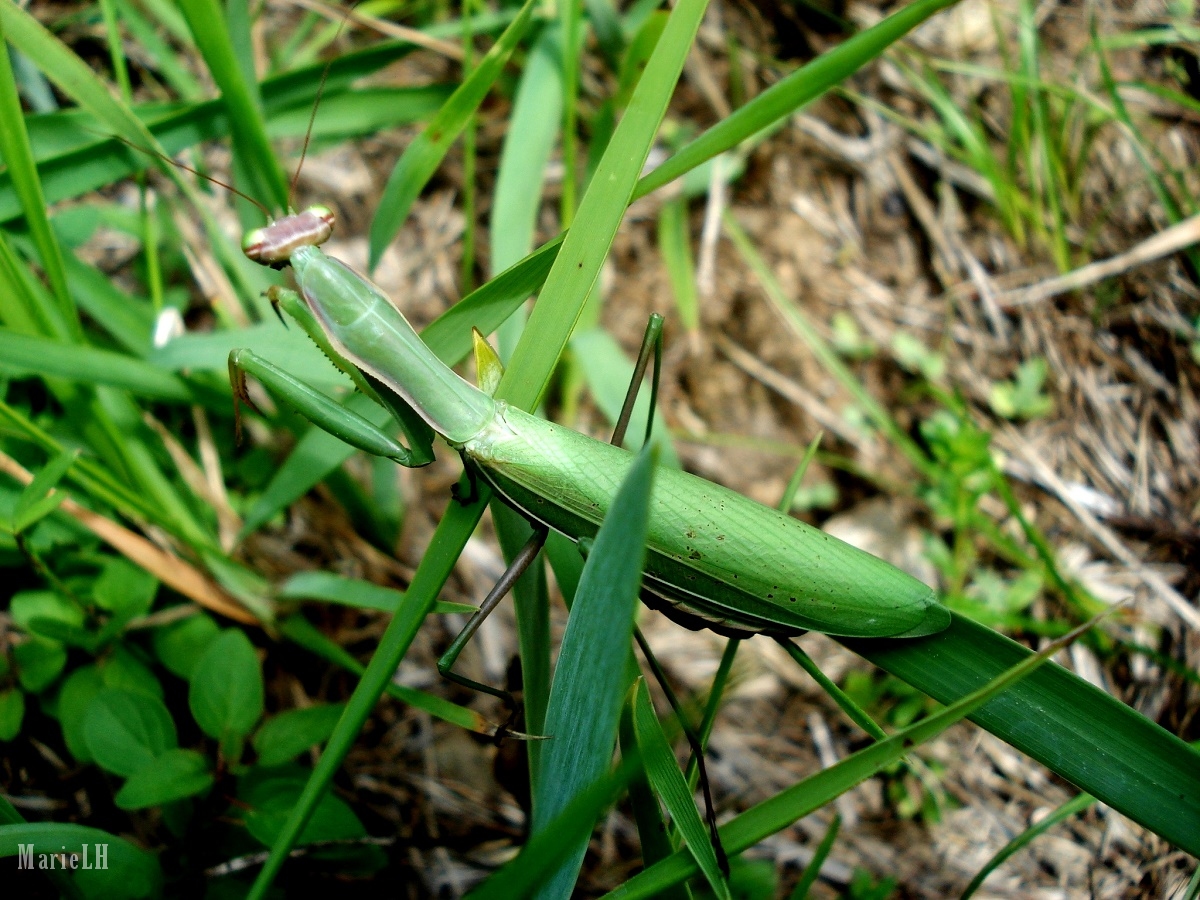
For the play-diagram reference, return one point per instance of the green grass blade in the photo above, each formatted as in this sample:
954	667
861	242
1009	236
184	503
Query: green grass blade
76	80
212	34
162	58
821	349
653	833
811	872
592	673
488	306
1170	207
532	130
675	247
569	26
606	23
600	212
1085	735
670	785
18	156
422	157
88	474
444	549
1075	805
799	88
24	355
72	160
73	77
364	111
29	308
128	320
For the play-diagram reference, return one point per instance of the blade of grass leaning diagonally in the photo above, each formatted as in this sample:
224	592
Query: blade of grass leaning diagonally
632	141
1084	734
18	157
592	674
211	32
814	792
79	161
81	84
1076	804
787	96
75	79
669	783
422	157
28	354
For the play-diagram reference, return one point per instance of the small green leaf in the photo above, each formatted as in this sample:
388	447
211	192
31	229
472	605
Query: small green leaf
917	358
1022	398
122	669
73	701
271	796
226	695
34	610
283	737
129	873
180	645
35	502
172	776
39	663
126	731
12	711
848	339
124	589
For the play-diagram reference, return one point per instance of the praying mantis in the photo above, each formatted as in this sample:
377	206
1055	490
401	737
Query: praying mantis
715	559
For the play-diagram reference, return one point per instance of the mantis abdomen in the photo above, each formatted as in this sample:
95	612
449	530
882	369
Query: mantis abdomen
715	559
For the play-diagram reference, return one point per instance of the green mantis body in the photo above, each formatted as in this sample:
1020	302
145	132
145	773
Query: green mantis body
715	559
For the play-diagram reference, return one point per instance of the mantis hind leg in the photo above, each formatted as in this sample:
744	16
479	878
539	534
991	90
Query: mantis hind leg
652	345
521	562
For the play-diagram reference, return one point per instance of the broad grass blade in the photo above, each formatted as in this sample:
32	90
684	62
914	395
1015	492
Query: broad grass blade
592	674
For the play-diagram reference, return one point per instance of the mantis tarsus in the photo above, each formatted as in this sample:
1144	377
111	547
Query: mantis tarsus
714	559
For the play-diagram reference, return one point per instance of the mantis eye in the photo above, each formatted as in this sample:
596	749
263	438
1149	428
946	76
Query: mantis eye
253	242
